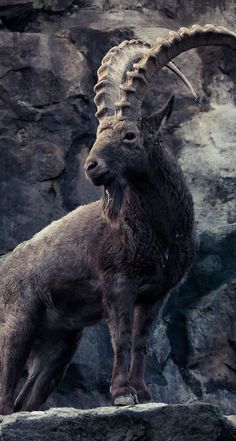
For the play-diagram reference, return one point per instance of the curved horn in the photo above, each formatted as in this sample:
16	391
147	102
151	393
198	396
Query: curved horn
113	69
111	72
133	91
174	68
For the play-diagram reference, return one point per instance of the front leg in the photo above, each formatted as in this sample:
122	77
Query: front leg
145	315
118	305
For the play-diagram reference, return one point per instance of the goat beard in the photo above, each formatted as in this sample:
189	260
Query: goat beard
113	201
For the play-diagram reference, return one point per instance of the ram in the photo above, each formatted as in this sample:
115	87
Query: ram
116	258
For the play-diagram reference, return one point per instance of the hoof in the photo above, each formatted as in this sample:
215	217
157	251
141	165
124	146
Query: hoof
126	400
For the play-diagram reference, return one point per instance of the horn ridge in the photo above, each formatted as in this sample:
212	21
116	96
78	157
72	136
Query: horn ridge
163	52
111	72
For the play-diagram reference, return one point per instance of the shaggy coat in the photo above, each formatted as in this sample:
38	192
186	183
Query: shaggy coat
116	258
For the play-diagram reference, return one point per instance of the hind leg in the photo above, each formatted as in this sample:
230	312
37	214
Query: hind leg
16	336
48	367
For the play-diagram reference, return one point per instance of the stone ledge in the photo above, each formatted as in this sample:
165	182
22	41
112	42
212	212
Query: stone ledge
149	422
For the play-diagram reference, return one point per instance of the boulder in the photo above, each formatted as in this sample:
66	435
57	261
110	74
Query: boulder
150	422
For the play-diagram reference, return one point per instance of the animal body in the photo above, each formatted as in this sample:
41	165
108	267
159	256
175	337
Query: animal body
116	258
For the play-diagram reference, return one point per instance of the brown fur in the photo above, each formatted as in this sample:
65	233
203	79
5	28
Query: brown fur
115	258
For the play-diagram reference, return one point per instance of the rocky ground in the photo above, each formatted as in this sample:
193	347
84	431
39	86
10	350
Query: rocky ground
50	51
150	422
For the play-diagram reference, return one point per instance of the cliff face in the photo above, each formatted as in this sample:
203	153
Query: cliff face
50	51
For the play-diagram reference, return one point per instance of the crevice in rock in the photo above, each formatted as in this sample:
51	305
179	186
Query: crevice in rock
17	17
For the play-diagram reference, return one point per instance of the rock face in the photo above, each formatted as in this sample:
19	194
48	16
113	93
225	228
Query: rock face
154	422
50	51
44	108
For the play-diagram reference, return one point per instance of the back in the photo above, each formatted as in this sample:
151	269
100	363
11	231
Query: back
60	250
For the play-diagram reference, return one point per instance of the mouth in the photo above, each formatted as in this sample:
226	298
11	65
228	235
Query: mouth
101	178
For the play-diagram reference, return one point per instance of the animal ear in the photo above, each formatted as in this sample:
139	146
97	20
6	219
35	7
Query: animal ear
156	121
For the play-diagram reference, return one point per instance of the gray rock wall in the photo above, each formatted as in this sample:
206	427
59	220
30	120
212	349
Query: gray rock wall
50	51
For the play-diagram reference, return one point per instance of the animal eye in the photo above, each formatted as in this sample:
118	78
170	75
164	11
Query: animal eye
130	136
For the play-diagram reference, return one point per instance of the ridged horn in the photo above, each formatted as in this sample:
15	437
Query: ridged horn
133	91
112	71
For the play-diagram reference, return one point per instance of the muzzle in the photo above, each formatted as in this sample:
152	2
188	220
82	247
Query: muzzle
96	170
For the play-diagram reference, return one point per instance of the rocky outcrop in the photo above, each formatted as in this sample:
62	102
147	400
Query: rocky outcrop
50	51
44	108
154	422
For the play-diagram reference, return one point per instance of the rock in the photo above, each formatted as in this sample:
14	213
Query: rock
210	138
150	422
15	14
47	126
48	5
213	354
232	419
52	5
44	107
200	358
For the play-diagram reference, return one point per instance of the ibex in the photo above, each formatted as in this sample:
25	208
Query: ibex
116	258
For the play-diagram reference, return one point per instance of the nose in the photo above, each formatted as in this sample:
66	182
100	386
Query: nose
96	170
90	165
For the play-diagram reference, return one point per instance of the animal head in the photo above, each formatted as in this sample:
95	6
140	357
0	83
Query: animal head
124	149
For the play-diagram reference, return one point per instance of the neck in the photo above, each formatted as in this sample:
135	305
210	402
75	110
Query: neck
160	200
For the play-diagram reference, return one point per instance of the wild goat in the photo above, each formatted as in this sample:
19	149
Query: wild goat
115	258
